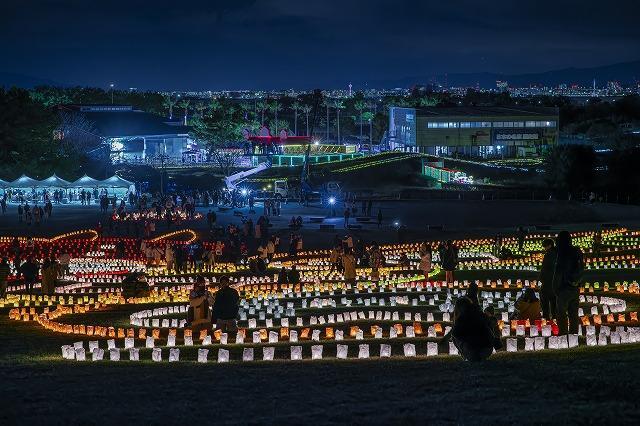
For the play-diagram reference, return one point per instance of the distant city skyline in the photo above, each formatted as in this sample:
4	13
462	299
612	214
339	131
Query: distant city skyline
243	44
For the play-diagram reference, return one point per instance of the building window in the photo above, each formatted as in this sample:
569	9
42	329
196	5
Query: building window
530	124
465	125
485	124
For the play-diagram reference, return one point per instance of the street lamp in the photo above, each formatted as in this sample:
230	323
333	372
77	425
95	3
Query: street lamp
111	85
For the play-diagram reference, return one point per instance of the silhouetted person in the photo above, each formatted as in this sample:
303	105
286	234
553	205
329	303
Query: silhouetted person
547	296
225	307
528	306
566	282
471	332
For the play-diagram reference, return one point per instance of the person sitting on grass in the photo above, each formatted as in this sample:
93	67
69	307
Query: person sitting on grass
225	306
198	315
528	306
471	333
283	276
492	321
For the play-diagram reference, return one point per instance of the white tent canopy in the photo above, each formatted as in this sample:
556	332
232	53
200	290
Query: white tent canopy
85	182
117	182
54	182
24	181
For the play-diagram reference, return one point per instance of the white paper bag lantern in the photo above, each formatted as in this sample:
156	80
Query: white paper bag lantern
363	351
410	332
97	354
385	350
615	338
114	354
591	340
591	330
252	323
378	334
203	354
506	330
149	343
573	340
339	335
553	342
80	354
453	350
171	340
432	349
129	342
111	344
512	345
223	355
273	337
529	343
77	345
315	335
188	341
546	331
174	355
409	350
563	342
256	337
392	333
207	340
247	354
533	331
316	352
68	352
156	355
520	330
296	353
93	344
293	336
268	352
134	354
342	351
602	339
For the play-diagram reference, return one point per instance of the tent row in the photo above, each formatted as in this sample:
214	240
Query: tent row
54	181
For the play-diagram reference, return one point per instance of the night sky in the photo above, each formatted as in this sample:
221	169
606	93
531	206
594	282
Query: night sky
236	44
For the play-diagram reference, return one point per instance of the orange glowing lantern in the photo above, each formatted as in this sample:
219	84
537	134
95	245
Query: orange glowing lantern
284	332
304	333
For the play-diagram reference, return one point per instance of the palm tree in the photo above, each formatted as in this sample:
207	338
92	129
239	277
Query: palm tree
169	103
262	107
360	106
200	107
306	109
214	105
274	107
296	106
338	105
185	104
327	103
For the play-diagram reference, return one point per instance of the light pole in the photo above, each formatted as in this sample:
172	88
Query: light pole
111	85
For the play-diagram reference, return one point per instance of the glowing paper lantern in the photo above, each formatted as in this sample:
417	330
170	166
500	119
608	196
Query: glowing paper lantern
453	350
293	336
134	354
409	350
512	345
114	354
267	353
223	355
316	352
203	355
156	354
149	343
247	354
80	354
296	353
363	351
342	351
97	354
385	350
432	349
174	355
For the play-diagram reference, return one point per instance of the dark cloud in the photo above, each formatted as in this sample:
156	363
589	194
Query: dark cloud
292	43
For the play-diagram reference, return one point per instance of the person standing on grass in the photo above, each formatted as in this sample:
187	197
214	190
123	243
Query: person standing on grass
425	259
29	271
547	297
5	271
347	215
349	266
449	260
567	270
225	306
